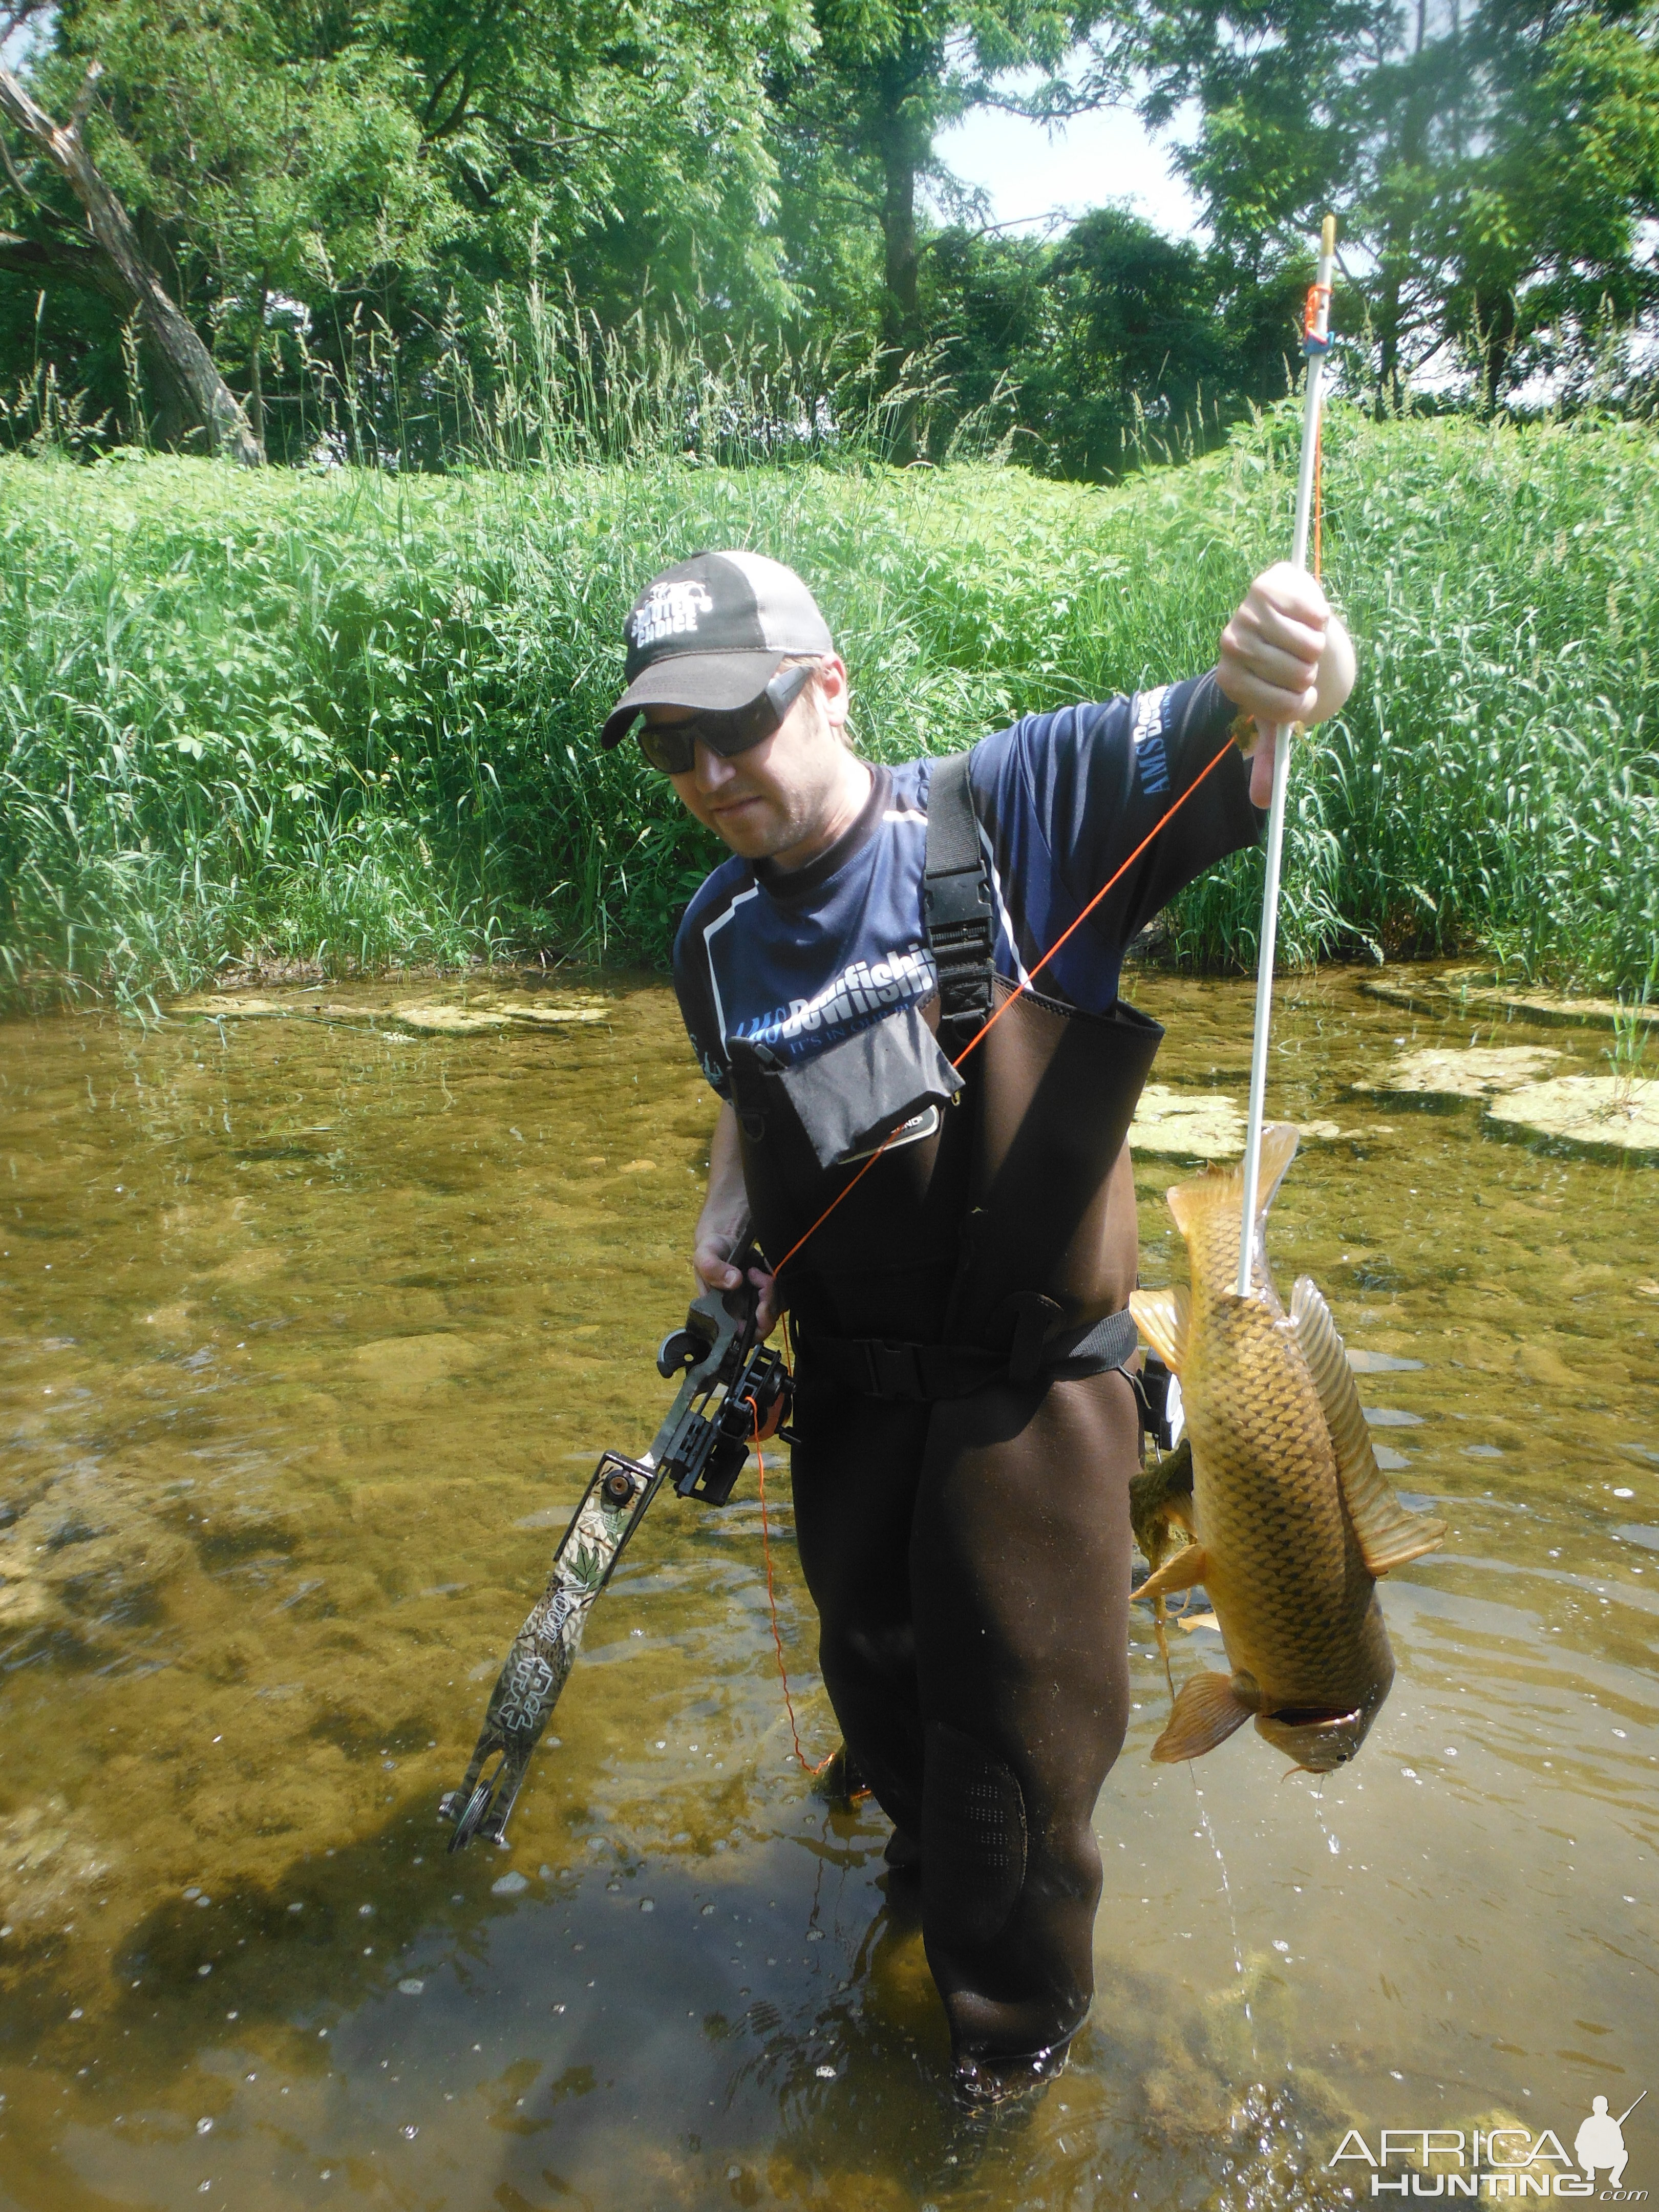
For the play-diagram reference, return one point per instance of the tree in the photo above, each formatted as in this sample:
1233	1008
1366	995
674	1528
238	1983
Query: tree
1114	344
862	111
1492	164
111	259
301	170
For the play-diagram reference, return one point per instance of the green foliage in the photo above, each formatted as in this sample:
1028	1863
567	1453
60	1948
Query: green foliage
355	205
858	112
1632	1033
1112	345
300	174
1496	167
350	719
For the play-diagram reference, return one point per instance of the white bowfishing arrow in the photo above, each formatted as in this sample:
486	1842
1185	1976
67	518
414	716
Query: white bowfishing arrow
1316	345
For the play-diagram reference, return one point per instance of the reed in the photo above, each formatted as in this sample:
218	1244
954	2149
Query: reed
345	717
1632	1033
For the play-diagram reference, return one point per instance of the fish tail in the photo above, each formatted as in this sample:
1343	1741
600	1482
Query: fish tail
1222	1189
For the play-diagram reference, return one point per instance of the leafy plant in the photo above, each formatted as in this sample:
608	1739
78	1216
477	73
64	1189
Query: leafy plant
347	718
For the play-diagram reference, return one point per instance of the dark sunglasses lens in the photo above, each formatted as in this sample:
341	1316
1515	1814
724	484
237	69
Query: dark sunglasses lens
671	747
668	748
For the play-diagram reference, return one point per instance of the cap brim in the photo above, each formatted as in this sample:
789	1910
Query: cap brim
715	683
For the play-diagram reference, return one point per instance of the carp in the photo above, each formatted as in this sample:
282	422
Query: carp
1291	1518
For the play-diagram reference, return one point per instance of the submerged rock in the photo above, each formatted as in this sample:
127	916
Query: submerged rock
44	1862
450	1021
498	1011
432	1017
23	1598
1473	1071
1591	1113
1561	1007
531	1006
221	1006
1187	1125
1479	986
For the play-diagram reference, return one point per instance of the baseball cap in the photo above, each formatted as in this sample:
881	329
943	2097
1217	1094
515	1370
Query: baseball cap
712	634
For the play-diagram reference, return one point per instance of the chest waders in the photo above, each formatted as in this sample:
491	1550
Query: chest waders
960	1482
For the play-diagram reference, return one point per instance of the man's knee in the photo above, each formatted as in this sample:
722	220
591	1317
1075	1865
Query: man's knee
1009	1890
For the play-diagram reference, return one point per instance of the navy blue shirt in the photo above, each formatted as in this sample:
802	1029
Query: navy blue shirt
800	960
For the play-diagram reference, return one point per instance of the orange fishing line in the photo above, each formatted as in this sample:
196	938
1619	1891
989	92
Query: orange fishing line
772	1605
847	1189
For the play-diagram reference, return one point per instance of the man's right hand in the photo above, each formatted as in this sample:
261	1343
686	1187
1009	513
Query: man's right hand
711	1262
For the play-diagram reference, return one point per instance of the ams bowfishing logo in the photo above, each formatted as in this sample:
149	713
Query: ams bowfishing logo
1499	2161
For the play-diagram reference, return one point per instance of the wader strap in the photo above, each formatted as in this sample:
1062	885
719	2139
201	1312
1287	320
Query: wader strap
956	905
919	1374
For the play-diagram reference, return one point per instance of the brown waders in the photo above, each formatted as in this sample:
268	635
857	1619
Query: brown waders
967	1440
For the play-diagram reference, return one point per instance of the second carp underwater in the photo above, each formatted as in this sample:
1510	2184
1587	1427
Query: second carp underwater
1290	1517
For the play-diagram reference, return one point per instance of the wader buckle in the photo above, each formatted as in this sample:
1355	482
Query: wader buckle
955	904
894	1371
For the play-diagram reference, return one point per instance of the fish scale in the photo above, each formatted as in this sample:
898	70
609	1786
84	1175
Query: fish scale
1291	1518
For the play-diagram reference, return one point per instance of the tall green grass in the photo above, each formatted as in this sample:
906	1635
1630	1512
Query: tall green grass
348	718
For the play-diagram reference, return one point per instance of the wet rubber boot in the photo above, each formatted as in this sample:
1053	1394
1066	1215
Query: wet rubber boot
994	1532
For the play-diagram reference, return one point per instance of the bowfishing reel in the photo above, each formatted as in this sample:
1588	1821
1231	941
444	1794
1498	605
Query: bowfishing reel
756	1402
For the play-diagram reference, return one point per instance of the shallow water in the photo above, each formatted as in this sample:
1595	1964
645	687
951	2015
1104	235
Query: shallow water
313	1330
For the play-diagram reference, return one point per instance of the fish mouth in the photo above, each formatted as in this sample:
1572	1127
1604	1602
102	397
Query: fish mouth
1318	1742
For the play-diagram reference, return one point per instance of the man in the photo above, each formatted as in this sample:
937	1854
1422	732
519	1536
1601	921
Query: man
954	1247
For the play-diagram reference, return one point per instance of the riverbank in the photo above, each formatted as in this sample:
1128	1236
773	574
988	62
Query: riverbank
346	721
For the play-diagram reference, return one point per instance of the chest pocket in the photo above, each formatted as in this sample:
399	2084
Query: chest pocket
846	1101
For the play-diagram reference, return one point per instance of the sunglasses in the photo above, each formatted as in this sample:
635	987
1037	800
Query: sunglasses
672	746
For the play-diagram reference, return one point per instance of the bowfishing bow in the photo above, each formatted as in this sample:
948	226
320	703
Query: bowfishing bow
735	1389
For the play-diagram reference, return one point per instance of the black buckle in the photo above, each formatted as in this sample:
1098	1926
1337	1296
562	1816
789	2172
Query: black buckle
958	899
895	1370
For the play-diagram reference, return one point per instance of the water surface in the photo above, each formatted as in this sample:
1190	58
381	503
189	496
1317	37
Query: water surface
313	1329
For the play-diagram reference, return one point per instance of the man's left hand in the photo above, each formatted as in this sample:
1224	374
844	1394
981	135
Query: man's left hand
1285	658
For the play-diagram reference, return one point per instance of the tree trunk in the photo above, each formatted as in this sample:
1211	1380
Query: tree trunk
901	310
203	399
256	390
72	258
1388	366
1494	323
901	305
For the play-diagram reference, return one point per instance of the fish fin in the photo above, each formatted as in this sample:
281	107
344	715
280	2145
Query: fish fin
1388	1534
1160	1497
1185	1571
1161	1317
1207	1711
1189	1201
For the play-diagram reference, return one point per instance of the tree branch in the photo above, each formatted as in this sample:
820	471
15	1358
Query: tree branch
76	262
126	274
